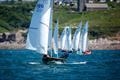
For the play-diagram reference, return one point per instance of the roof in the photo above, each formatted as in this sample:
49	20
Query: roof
96	5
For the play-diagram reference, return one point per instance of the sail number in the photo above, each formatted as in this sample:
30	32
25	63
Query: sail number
40	7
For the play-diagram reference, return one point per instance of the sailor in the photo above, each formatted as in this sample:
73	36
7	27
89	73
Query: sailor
87	52
65	55
46	59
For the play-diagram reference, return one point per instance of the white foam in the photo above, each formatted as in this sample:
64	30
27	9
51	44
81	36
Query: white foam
58	62
33	63
85	62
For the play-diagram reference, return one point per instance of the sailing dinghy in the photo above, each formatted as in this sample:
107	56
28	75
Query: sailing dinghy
84	41
38	33
76	38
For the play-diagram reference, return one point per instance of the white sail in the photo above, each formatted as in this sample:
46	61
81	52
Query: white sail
37	38
85	37
62	39
55	36
68	39
80	38
76	37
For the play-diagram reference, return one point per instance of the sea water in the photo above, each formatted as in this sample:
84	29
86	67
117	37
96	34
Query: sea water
27	65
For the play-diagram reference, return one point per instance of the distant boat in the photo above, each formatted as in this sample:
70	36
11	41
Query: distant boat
65	39
62	40
76	38
84	39
68	39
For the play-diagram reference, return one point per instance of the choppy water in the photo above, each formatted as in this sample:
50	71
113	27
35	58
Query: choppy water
26	65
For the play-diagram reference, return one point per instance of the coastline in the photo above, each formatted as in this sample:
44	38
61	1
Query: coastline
104	44
97	44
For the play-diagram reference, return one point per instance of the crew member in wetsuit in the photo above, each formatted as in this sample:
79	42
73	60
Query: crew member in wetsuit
65	55
46	59
87	52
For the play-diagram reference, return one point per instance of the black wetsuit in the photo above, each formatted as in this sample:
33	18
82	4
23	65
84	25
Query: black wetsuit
46	59
65	55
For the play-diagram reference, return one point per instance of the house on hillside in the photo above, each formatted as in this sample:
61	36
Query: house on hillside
63	2
95	6
17	0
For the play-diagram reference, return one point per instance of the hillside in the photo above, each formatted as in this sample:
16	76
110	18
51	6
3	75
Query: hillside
102	23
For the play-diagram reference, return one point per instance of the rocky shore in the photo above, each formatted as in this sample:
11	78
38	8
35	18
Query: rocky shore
104	44
97	44
16	40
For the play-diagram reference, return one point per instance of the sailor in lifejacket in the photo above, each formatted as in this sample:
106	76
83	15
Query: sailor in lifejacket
46	59
87	52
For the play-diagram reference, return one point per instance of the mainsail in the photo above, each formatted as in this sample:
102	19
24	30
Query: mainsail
62	39
37	38
76	37
84	35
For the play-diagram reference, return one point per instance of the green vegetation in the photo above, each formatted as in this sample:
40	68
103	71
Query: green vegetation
102	23
15	16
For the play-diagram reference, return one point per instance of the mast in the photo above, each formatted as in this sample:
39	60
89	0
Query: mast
50	30
55	36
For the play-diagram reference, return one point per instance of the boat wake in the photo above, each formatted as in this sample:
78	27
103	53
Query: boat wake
34	63
59	62
84	62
